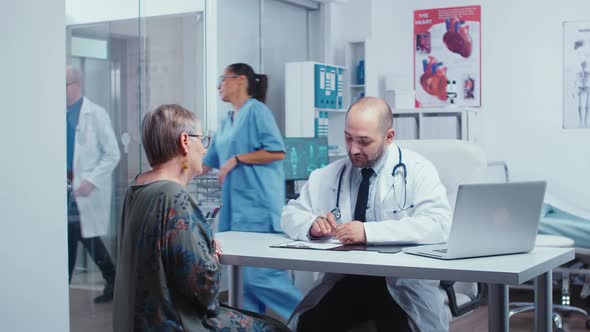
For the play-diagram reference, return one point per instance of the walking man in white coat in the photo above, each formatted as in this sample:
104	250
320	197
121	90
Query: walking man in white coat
92	154
381	194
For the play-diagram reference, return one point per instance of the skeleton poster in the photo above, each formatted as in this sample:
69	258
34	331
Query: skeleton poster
447	62
576	74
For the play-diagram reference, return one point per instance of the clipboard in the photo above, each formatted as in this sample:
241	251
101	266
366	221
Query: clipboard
316	245
337	246
384	249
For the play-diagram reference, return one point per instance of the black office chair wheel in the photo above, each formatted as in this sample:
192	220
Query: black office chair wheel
587	324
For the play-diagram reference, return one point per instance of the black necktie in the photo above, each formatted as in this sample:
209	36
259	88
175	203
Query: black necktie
363	195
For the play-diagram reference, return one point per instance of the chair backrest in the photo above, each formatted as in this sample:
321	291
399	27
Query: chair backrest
456	161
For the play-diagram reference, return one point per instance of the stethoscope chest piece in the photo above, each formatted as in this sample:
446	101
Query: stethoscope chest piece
337	214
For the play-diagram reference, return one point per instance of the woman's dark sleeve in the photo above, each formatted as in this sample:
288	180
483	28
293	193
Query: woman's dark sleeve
189	260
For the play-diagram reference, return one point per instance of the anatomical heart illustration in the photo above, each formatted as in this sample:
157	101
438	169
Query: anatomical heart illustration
457	38
434	78
447	56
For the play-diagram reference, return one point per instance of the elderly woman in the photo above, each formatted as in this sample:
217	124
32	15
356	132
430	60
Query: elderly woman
168	262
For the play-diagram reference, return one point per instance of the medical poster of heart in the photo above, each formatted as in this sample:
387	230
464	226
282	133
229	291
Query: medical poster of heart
447	61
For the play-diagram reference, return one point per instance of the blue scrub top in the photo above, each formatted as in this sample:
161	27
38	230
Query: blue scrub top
252	195
72	117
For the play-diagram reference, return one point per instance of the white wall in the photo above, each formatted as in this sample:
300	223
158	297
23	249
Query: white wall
284	39
34	278
522	83
315	32
237	39
345	22
87	11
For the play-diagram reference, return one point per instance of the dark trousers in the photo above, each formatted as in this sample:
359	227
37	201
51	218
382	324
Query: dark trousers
95	247
352	301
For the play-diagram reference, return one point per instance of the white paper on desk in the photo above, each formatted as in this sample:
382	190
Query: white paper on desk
322	244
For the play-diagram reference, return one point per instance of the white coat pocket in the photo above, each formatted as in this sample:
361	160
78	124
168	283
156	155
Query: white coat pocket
396	214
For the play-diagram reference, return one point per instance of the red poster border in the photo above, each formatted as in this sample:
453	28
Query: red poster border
468	13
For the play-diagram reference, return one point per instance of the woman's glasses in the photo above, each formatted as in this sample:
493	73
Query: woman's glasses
204	139
223	77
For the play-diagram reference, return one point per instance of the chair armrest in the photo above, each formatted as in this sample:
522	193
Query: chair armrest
504	164
583	254
457	310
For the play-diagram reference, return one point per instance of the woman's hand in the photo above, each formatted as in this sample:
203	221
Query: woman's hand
206	169
218	249
226	168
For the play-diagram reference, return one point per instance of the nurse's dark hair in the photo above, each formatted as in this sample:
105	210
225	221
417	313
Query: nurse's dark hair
257	83
161	129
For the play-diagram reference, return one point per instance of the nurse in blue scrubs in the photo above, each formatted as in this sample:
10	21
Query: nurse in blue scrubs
248	151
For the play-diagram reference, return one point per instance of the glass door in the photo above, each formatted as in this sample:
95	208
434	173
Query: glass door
121	68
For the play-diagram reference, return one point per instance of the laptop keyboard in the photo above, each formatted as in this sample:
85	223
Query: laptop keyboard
440	250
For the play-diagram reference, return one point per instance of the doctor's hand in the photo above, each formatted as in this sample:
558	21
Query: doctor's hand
84	189
351	233
323	226
226	168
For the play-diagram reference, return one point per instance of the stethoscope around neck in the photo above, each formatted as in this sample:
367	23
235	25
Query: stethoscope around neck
399	169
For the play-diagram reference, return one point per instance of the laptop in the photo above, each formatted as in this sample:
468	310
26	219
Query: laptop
491	219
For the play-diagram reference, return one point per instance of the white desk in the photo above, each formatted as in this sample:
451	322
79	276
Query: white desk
252	249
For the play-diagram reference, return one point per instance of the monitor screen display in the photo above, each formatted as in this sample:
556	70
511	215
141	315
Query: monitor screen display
303	155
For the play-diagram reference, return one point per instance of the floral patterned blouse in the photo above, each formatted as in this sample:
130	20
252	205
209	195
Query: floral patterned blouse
167	275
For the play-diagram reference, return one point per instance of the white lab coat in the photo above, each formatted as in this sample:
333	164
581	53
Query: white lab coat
96	154
428	222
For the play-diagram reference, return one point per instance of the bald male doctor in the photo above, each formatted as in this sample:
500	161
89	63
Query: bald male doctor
383	194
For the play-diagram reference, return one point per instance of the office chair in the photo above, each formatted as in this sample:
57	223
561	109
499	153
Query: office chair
462	162
457	162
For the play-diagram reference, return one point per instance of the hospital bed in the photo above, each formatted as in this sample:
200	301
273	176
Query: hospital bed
556	221
564	229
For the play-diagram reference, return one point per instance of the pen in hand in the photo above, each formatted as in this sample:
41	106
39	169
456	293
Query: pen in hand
320	214
324	227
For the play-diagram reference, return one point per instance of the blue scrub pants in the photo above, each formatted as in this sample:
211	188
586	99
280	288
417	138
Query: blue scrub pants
263	287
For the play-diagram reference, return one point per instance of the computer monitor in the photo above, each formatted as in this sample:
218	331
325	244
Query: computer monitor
303	155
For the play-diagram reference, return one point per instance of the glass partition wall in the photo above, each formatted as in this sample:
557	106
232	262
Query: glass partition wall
124	68
140	57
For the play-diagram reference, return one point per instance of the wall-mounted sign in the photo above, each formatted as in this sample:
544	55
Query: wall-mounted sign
576	74
447	56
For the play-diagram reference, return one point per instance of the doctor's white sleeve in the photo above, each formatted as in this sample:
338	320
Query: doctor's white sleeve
297	216
431	221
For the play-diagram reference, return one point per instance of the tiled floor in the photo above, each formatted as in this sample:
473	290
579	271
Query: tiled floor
85	316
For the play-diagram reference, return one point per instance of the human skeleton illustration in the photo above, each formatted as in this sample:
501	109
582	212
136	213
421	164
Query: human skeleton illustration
583	94
579	81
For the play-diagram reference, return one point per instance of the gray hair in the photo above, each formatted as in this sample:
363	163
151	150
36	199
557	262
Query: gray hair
161	129
75	75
